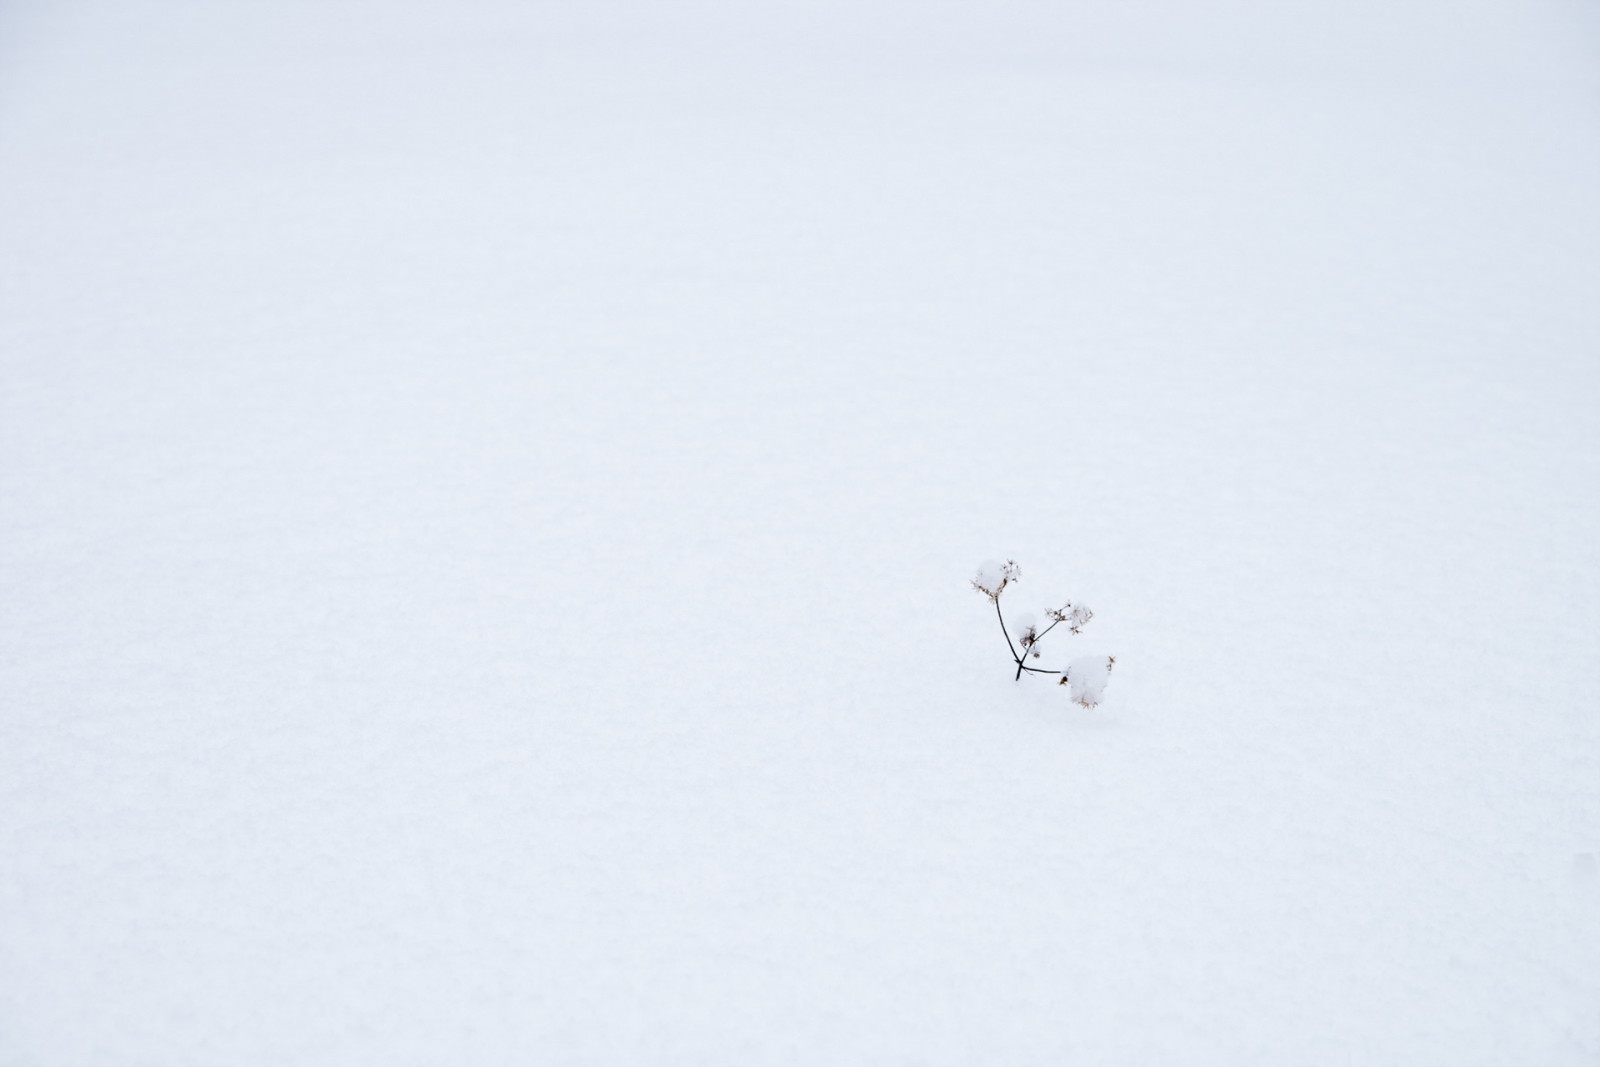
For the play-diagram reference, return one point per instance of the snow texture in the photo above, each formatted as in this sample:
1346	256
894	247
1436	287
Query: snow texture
480	484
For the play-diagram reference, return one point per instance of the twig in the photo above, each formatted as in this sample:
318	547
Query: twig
1003	630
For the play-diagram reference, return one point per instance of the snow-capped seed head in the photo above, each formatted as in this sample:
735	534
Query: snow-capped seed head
1027	628
992	578
1075	616
1086	679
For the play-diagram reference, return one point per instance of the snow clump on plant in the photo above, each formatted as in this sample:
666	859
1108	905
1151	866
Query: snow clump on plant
992	578
1086	679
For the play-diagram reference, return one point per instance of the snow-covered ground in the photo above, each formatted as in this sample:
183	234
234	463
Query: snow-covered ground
487	493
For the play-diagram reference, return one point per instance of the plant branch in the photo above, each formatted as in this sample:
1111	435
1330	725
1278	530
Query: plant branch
1019	659
1003	630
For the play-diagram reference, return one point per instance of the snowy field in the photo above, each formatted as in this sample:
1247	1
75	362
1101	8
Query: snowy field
488	490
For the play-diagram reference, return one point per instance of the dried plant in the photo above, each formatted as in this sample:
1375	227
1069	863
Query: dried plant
1085	677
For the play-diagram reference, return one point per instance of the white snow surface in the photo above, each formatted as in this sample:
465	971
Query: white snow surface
488	492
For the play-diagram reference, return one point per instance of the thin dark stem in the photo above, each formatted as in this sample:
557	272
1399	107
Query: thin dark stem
1031	648
1003	630
1014	656
1021	660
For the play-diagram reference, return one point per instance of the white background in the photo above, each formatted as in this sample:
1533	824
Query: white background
487	491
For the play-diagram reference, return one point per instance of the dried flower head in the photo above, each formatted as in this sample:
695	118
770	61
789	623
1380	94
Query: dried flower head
992	578
1027	631
1075	616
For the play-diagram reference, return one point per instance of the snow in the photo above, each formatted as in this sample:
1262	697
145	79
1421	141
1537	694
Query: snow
482	486
1087	676
993	577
